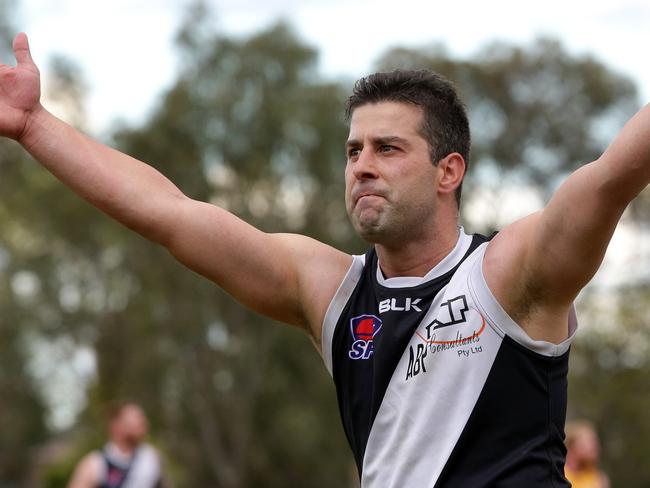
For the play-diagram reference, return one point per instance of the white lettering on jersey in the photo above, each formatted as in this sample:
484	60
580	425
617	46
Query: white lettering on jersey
390	304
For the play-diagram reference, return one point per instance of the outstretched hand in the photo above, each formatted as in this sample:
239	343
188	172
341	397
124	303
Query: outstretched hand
20	91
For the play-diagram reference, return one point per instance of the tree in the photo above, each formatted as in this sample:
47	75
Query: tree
609	374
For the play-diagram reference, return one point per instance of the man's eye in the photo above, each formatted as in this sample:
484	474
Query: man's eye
386	148
353	153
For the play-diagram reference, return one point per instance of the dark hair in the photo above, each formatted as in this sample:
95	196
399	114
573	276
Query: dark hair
444	126
114	409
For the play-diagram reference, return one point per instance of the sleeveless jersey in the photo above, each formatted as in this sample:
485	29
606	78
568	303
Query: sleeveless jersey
437	386
142	470
115	472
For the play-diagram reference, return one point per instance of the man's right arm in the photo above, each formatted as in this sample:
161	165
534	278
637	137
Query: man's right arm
86	473
288	277
270	273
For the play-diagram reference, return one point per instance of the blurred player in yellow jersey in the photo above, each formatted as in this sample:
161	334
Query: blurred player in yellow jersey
583	456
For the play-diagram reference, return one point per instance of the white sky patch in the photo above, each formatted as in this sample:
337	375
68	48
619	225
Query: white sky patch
500	206
123	48
126	49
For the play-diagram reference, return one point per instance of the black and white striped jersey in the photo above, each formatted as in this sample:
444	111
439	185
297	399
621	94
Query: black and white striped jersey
438	386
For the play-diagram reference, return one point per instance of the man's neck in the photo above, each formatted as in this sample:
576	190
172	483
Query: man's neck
417	257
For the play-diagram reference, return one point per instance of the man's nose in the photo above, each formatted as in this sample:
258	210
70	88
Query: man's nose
365	166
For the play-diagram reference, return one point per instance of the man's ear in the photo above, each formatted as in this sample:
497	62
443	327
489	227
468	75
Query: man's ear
451	170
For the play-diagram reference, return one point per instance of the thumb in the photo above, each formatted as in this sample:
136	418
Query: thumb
21	49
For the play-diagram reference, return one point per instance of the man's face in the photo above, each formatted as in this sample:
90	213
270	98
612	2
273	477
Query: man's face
586	447
390	180
131	426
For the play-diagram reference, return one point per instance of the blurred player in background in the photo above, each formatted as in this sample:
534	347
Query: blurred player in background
583	456
126	461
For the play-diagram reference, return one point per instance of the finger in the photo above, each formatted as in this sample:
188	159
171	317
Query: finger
21	49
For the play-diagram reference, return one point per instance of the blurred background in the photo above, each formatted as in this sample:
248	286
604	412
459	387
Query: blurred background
240	104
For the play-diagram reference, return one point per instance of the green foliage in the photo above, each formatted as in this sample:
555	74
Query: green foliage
58	475
608	384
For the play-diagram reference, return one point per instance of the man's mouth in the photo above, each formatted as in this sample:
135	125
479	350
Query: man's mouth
364	194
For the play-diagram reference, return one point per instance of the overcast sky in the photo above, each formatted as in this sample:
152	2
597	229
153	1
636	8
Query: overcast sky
125	47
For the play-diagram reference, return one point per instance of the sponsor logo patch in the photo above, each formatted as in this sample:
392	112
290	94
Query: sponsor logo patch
364	328
457	327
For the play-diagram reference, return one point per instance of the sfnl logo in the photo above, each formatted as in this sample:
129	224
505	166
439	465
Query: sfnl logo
364	328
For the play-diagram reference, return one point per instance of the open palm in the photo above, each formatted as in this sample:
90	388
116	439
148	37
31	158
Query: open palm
20	90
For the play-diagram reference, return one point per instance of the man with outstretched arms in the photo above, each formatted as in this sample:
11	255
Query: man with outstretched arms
449	351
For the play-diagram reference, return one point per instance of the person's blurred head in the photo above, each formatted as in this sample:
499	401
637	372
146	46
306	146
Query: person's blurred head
583	448
127	424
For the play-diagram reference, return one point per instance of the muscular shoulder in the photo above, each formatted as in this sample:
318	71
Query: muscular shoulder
321	268
513	281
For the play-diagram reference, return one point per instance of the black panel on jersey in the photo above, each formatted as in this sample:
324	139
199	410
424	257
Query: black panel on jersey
115	474
513	440
361	383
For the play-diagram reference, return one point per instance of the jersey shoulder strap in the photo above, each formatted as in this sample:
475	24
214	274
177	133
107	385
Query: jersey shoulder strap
116	474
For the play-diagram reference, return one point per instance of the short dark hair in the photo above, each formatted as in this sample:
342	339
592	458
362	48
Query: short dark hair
114	409
445	126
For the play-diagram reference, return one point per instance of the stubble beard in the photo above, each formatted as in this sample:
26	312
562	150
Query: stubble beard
379	225
391	225
369	228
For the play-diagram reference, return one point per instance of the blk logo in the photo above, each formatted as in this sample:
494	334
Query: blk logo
391	304
364	328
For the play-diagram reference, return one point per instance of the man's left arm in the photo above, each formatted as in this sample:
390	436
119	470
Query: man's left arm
87	472
537	266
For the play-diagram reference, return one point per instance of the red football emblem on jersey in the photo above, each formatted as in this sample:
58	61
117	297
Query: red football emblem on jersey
365	327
